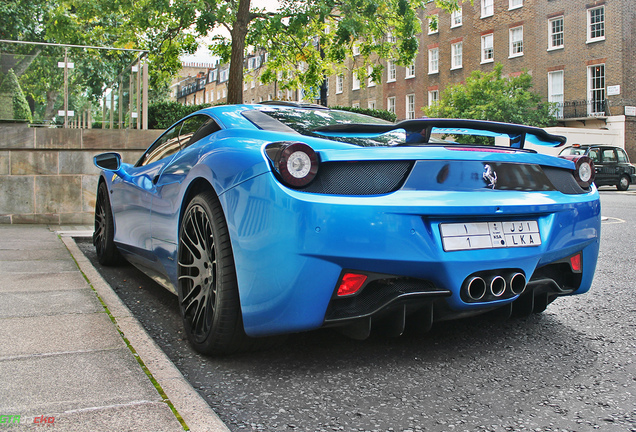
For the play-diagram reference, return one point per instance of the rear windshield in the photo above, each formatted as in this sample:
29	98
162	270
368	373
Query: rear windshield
572	151
304	121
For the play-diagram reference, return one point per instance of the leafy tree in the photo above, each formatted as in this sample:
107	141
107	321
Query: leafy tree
490	96
13	104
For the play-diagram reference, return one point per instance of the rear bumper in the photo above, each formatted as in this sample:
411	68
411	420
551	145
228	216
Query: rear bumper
291	247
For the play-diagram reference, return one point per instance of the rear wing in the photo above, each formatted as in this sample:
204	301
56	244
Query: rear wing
422	129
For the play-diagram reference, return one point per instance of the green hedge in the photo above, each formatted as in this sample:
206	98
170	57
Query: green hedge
382	114
162	115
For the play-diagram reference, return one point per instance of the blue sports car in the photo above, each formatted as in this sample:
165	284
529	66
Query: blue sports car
278	218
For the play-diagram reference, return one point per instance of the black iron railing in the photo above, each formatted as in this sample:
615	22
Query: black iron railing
582	109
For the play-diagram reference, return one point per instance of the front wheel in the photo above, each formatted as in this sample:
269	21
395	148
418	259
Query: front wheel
103	237
207	286
623	183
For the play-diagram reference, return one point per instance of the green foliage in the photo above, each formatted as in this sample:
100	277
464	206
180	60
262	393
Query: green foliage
490	96
162	115
381	114
13	104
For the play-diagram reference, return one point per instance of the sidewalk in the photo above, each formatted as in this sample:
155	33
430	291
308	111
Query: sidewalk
69	363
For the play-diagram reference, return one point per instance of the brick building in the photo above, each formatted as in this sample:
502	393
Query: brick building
578	52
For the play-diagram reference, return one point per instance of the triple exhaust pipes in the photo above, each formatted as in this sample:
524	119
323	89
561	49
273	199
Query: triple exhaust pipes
493	287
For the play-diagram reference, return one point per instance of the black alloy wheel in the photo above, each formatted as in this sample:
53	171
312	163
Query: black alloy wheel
103	237
207	286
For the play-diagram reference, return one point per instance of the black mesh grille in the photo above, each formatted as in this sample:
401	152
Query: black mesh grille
379	294
563	180
359	178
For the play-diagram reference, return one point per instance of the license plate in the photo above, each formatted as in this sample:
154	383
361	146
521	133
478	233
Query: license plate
489	235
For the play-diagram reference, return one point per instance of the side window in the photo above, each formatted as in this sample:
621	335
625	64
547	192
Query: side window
166	145
609	155
595	156
196	128
622	157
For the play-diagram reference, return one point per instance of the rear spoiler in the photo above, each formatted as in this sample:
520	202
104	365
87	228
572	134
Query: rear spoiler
518	134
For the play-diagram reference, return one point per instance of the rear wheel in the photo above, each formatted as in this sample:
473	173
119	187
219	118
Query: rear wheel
623	183
207	287
103	237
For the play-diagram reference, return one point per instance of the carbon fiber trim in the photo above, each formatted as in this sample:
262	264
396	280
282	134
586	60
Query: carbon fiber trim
359	178
563	180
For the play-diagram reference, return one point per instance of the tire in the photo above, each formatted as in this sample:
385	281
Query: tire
623	183
207	285
103	237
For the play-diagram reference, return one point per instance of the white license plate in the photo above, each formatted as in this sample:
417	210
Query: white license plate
489	235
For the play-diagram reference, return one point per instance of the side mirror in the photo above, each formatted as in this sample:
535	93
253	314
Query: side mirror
108	161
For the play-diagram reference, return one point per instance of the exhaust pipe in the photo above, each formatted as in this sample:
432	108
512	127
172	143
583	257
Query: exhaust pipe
517	283
497	286
476	288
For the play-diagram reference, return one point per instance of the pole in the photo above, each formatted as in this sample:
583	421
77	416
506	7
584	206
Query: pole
145	95
65	88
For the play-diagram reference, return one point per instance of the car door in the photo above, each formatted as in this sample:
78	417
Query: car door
132	198
596	156
167	192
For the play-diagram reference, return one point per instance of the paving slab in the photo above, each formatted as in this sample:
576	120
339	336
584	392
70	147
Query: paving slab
58	333
46	266
73	380
25	304
33	255
26	282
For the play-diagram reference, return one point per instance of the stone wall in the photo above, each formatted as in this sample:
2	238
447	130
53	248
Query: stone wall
47	175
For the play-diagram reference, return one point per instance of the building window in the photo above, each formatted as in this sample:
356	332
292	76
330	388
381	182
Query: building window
433	60
390	71
433	97
596	89
410	71
555	33
487	49
410	106
433	24
487	8
390	104
253	83
556	92
456	17
371	83
456	55
516	41
339	84
371	105
355	82
355	105
356	49
596	24
515	4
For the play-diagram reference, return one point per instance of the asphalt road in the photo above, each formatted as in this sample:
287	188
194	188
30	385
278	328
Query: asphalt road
571	368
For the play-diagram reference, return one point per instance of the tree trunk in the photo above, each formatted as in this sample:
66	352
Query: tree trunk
238	33
49	110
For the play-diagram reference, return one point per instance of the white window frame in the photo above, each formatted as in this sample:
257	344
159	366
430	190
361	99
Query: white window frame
410	106
457	55
390	104
433	97
594	91
370	82
488	48
355	105
253	83
552	95
487	8
515	43
515	4
590	25
433	61
432	30
456	17
339	83
371	104
410	71
355	81
390	71
356	49
552	33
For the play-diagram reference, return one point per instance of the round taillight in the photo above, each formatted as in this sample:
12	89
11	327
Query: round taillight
297	164
584	171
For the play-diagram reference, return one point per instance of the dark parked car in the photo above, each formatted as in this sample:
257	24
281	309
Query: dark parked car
611	163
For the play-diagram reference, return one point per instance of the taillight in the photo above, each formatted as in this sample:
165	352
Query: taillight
584	172
350	284
296	163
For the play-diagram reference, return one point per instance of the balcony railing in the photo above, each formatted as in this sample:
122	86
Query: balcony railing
581	109
191	88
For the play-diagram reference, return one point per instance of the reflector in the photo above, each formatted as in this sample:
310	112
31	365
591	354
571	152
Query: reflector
575	262
350	284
